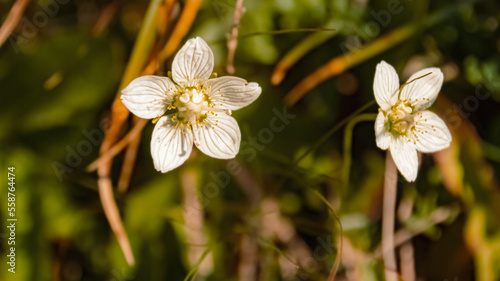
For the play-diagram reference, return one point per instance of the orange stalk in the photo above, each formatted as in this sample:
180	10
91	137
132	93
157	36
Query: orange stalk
232	38
119	114
300	50
105	17
130	157
342	63
181	29
12	19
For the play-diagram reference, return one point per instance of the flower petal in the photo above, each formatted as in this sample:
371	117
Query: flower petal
423	87
147	96
405	156
382	136
193	64
231	92
385	85
431	133
219	137
170	145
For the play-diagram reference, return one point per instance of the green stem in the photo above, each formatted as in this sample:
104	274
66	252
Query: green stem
143	45
333	131
491	151
336	264
348	131
192	273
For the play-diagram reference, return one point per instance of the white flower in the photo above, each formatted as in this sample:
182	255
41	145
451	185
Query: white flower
403	125
197	109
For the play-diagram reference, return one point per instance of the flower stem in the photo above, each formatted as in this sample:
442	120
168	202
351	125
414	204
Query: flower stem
388	216
348	131
334	129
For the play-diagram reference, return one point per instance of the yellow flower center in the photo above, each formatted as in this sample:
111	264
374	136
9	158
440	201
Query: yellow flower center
192	105
400	118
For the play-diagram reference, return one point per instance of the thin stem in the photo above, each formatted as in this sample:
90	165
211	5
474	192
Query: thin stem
348	131
181	29
194	271
300	50
333	130
407	263
285	31
354	57
129	159
232	38
336	264
402	236
388	217
119	146
271	32
119	114
12	19
113	215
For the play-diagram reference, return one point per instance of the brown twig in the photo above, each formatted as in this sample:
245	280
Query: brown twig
165	15
346	61
105	17
12	19
111	211
119	146
130	157
183	25
193	218
402	236
232	38
119	114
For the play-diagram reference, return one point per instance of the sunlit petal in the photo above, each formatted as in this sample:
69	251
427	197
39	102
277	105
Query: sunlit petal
405	156
385	85
423	87
148	95
431	133
170	145
382	136
193	64
218	136
231	92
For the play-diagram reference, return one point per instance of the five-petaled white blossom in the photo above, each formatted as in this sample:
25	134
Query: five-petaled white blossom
197	109
403	125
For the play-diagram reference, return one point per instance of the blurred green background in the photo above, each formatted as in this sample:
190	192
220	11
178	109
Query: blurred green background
262	215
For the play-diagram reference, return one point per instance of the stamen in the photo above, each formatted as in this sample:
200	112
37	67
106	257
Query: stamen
184	98
196	98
